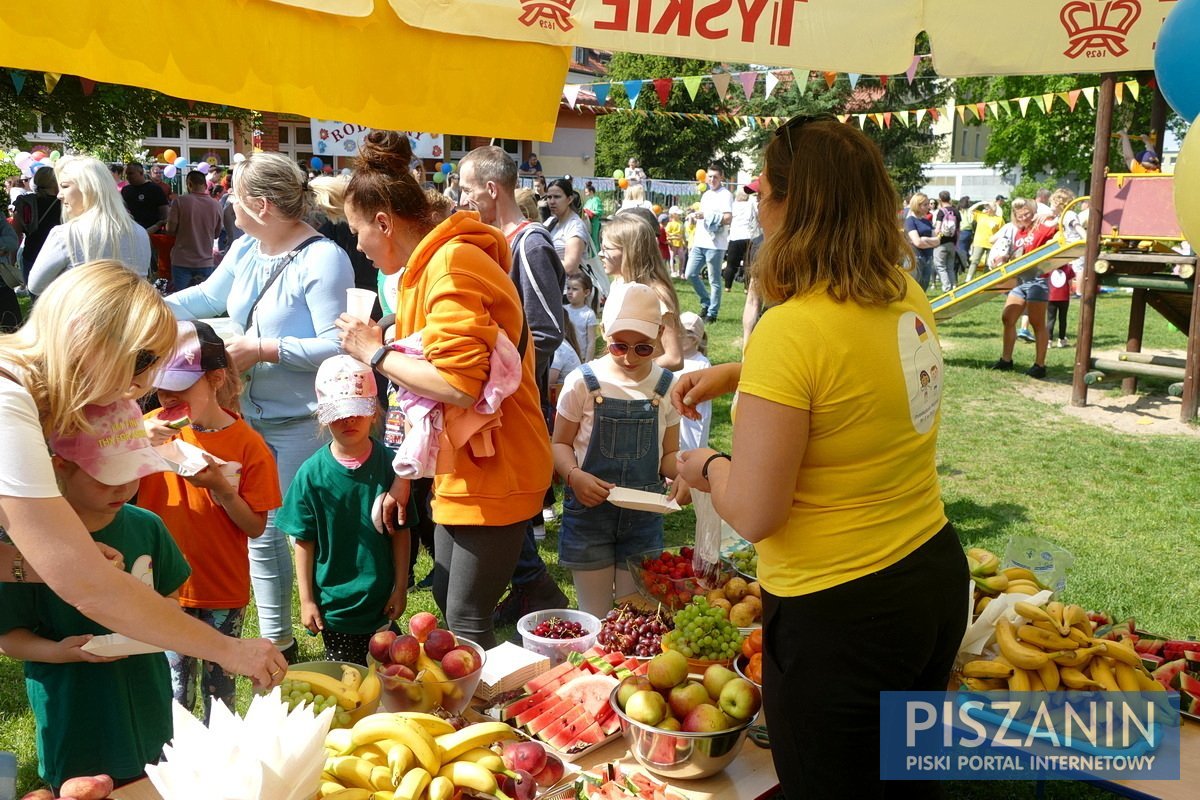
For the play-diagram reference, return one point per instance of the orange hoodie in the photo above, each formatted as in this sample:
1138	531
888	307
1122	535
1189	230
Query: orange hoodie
457	293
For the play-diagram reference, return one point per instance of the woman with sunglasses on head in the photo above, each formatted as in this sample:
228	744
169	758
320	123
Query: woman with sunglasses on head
615	427
833	473
285	284
568	231
95	338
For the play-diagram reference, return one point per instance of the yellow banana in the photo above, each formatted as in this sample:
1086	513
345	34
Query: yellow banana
481	734
1055	609
1074	679
1102	673
993	584
430	722
1048	674
440	788
469	775
972	565
413	784
351	677
328	788
431	689
374	727
327	685
1034	614
1077	658
1075	615
384	794
1020	574
370	688
981	604
372	753
351	771
489	759
400	760
427	664
355	793
1126	677
1045	639
1019	682
1022	587
1146	683
338	742
988	562
986	669
1120	651
1035	680
985	684
1014	652
381	779
1075	634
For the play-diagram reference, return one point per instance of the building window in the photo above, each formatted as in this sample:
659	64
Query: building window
169	129
285	134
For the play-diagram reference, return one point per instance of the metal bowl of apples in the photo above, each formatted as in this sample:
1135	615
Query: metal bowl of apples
427	669
693	735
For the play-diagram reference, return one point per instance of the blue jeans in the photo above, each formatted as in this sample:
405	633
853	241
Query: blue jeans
215	682
183	277
923	274
699	258
291	442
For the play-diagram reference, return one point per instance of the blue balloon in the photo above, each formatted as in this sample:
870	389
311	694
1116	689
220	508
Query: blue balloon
316	163
181	163
1175	65
447	168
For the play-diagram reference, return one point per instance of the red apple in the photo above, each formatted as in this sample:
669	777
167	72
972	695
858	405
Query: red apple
392	676
379	645
634	683
552	773
421	624
704	719
438	643
667	669
460	662
405	650
686	696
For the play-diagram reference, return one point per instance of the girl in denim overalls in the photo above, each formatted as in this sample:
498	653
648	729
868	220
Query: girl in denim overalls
615	427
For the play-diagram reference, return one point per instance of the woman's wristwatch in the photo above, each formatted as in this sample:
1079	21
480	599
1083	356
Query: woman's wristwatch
18	568
708	461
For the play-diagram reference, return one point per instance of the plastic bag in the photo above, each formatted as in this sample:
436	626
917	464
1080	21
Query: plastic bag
706	555
1045	559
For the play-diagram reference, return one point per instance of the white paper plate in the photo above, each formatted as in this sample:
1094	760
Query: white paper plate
637	500
114	644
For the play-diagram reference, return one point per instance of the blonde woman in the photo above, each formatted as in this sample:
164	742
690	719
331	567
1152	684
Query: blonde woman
285	284
96	225
919	229
629	252
94	337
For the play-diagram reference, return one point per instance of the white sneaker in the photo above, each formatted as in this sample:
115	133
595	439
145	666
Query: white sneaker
539	532
548	514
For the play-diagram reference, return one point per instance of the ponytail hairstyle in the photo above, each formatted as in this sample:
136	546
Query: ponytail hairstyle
382	182
585	283
277	179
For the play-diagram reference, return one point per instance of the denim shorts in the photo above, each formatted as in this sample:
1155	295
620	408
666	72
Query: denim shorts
603	536
1033	290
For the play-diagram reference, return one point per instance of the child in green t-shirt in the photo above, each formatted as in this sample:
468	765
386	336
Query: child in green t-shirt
95	714
350	571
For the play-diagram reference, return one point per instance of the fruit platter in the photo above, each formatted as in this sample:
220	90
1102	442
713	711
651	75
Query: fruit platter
612	782
426	669
669	576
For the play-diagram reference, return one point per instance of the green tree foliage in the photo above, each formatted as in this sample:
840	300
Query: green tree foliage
107	123
1058	144
669	149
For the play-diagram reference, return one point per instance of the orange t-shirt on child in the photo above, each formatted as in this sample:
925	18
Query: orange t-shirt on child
215	547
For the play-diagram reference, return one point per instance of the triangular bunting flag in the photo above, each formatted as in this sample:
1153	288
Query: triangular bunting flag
191	104
1133	88
887	119
662	87
1072	98
1007	106
748	79
911	72
1048	102
721	82
1023	104
1040	101
962	114
920	115
18	79
632	90
830	79
601	91
692	84
903	117
883	81
949	112
1089	94
571	92
994	107
853	76
843	118
800	78
981	110
862	120
1119	90
933	112
772	82
51	80
89	86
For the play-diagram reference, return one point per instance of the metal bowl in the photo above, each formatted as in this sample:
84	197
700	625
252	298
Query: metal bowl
680	755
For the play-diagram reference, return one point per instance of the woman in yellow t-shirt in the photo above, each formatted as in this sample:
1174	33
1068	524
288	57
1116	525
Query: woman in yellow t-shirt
833	474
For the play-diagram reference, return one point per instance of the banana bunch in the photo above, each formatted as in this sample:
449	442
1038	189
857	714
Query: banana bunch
411	756
1053	648
352	694
990	580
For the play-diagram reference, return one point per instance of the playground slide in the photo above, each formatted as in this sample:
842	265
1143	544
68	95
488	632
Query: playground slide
987	284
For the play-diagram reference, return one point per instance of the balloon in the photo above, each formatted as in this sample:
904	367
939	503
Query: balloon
701	187
439	177
55	156
238	158
35	166
169	156
1187	185
454	167
203	167
181	162
618	174
701	176
447	169
23	160
437	166
170	170
623	183
315	162
39	155
1174	58
656	208
345	170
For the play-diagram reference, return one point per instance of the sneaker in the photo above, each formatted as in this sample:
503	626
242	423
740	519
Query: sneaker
291	653
539	532
710	320
1063	342
1025	335
1003	365
1036	371
540	595
549	514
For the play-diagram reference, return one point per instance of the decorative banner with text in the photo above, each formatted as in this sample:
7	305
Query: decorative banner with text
344	139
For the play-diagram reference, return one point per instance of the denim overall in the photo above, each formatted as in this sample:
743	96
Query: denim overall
623	450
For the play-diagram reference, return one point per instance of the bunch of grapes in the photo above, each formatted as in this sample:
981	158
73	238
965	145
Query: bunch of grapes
745	560
702	631
296	692
632	631
558	628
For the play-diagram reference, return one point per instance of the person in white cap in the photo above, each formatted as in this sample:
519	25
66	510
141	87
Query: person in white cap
615	427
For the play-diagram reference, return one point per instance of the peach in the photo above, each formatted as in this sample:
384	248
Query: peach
95	787
379	645
421	624
438	643
460	661
405	650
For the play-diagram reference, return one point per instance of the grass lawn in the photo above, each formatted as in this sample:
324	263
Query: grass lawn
1127	507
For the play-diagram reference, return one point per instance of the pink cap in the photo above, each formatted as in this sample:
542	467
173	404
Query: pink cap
117	450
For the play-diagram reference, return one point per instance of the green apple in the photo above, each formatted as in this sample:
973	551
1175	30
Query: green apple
646	707
669	724
667	670
740	699
634	683
704	718
715	678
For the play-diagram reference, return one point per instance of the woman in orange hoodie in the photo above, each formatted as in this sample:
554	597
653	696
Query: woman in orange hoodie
455	291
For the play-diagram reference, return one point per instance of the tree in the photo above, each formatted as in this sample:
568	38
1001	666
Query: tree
668	148
107	123
1059	144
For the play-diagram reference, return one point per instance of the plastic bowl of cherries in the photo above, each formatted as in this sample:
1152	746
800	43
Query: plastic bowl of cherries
634	631
558	632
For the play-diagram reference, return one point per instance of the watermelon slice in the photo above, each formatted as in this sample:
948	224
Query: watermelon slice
590	735
548	717
519	707
610	723
535	684
1175	648
564	734
1151	661
590	692
177	416
1169	673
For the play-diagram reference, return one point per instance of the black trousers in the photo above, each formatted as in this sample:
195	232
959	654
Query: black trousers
735	261
829	654
1059	309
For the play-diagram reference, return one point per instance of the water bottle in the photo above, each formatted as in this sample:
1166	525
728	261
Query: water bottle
8	776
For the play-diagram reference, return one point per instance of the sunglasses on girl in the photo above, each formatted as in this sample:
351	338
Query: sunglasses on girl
797	122
643	349
144	361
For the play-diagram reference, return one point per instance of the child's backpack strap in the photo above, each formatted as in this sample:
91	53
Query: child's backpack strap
593	385
663	386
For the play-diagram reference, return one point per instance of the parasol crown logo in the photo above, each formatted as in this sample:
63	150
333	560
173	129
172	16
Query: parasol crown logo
1097	28
548	14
